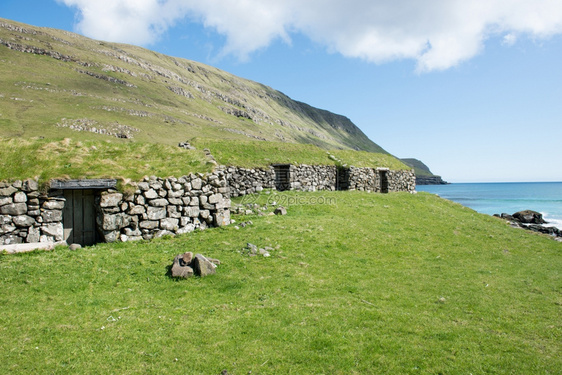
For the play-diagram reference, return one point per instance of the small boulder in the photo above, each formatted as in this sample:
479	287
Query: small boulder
20	197
529	217
186	265
506	216
74	247
187	257
202	266
186	145
110	199
216	262
23	221
252	249
280	211
181	268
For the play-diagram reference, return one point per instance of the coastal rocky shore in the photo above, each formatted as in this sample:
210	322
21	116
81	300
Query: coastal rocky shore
430	180
531	220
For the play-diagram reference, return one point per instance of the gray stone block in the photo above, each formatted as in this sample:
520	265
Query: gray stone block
8	191
51	216
150	194
148	224
6	200
158	202
169	224
23	221
156	213
14	209
20	197
53	204
111	199
192	211
222	218
54	230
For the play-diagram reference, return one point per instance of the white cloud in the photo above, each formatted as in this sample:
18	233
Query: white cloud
438	34
128	21
509	39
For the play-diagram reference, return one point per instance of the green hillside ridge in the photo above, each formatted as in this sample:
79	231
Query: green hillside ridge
419	167
424	176
76	158
417	285
72	107
54	81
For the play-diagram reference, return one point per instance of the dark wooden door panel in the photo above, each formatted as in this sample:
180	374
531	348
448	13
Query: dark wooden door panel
79	217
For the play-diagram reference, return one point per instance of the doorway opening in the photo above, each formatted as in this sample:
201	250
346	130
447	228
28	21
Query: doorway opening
79	217
383	177
80	213
342	178
282	176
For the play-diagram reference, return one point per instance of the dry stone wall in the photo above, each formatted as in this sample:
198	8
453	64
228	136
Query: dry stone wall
27	216
313	177
243	181
157	207
161	206
165	206
369	179
401	180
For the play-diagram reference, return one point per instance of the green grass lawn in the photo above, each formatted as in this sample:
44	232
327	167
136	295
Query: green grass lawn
360	284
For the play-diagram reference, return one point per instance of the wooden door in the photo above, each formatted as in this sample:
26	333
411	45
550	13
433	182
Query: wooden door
384	181
282	177
342	178
79	217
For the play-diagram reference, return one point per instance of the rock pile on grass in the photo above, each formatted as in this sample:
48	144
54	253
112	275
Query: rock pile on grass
186	265
253	250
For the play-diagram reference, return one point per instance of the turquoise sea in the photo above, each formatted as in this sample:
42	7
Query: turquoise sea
508	197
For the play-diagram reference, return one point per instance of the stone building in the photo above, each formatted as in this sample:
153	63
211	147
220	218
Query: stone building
91	211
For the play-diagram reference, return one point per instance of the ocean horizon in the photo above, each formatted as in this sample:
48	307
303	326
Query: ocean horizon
505	197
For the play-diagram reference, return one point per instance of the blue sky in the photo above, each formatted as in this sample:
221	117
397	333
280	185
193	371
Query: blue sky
473	89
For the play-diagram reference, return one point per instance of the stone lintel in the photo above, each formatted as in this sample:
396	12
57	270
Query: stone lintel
102	183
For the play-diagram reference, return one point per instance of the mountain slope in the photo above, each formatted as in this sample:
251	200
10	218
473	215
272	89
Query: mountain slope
424	176
54	80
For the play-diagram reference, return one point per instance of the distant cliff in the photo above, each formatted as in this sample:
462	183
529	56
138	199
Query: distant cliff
423	175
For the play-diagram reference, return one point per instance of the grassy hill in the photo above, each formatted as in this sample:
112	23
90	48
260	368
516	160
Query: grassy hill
358	283
46	159
361	284
79	108
419	167
55	83
423	175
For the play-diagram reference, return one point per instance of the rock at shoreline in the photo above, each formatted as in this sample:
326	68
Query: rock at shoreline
529	217
531	220
430	180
